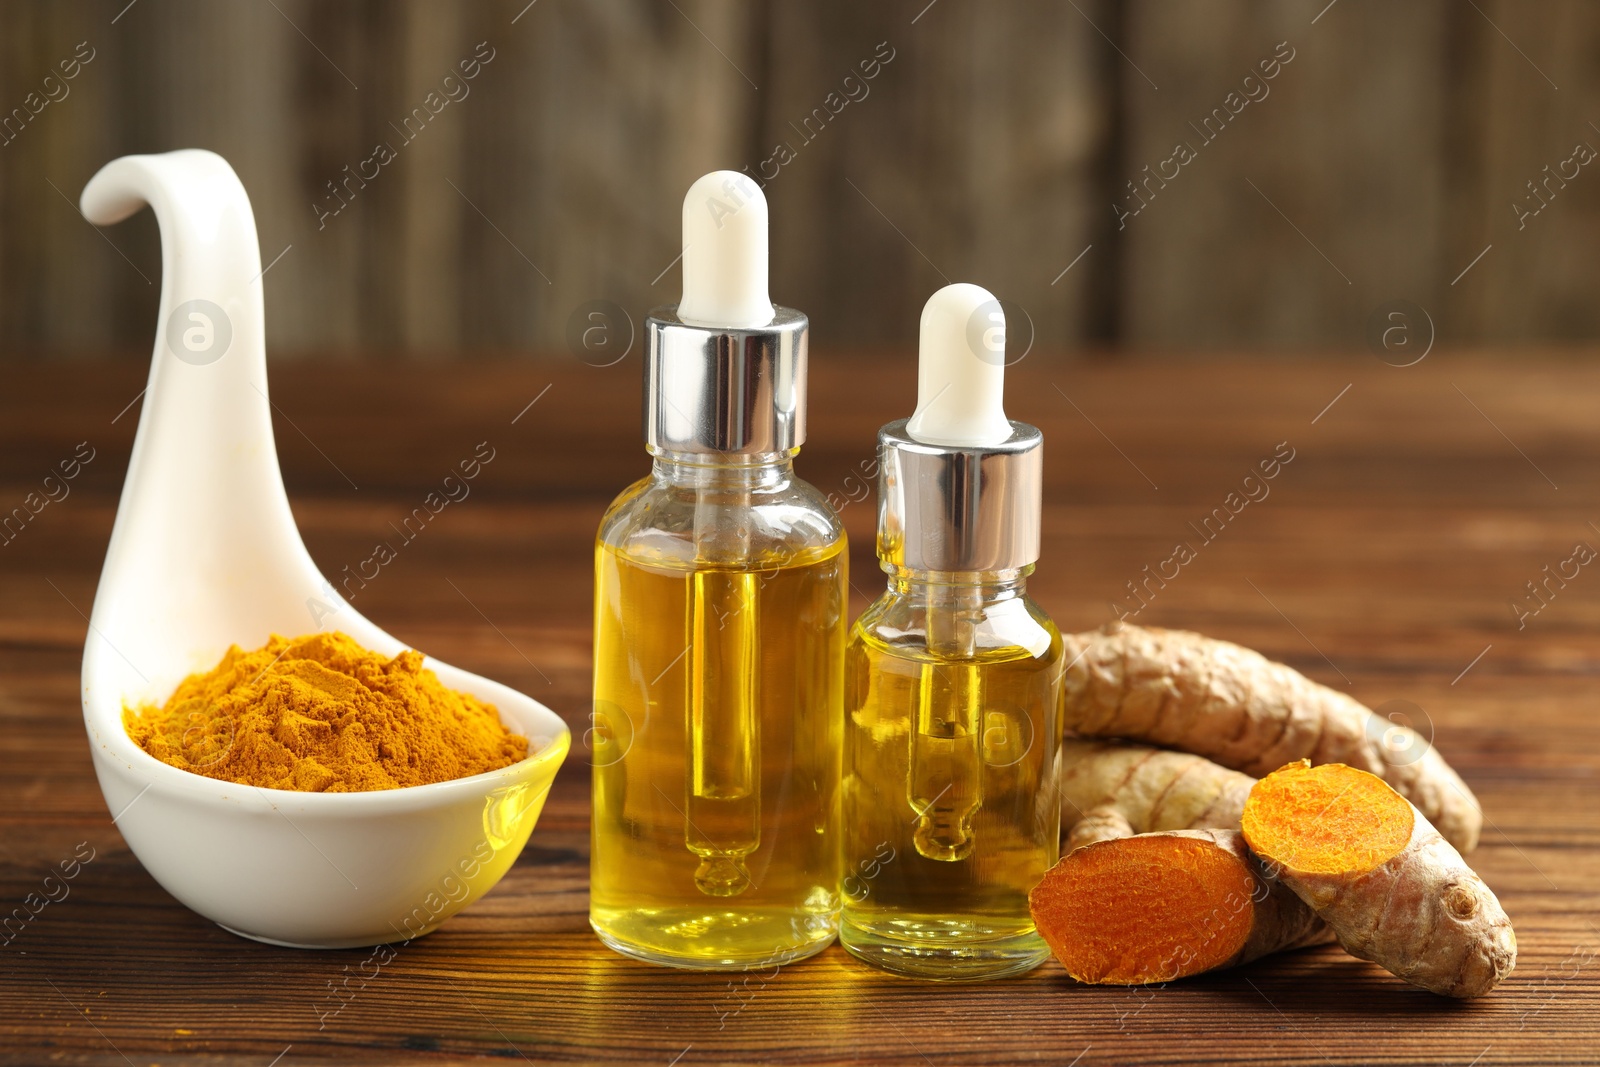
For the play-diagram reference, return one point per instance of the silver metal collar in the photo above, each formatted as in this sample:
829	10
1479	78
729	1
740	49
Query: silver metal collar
725	391
954	508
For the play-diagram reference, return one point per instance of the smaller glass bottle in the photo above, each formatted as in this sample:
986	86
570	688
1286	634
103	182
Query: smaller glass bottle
952	678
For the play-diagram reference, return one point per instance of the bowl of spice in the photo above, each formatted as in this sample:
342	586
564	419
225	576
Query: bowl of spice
312	792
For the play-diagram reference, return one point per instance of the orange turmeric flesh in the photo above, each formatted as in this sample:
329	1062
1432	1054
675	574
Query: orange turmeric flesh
1326	820
1143	909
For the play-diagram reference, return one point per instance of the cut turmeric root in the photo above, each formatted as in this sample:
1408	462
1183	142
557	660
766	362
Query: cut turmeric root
1111	790
1373	867
1233	706
1161	906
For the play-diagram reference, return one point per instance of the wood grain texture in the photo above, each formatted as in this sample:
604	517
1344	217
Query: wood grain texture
1383	562
1281	220
992	148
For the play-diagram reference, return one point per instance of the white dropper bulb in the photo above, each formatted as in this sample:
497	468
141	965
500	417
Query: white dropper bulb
961	370
725	253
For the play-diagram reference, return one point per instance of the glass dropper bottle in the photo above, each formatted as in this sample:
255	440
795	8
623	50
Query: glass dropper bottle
719	631
952	677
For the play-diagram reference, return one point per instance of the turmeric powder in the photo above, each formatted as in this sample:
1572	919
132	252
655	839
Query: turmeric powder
320	713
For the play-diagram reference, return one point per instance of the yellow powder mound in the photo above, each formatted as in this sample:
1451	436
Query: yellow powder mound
321	714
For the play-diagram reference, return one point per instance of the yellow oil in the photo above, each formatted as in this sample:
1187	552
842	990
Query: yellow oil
716	758
950	813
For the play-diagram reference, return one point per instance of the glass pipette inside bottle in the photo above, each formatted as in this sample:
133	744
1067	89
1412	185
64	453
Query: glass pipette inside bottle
723	815
724	287
946	779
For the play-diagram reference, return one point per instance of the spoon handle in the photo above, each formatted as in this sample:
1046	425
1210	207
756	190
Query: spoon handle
204	521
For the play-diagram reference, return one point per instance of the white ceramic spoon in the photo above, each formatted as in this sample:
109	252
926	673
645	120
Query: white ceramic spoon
204	554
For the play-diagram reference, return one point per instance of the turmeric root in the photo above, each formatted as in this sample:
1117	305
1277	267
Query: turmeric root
1373	867
1167	905
1111	790
1184	691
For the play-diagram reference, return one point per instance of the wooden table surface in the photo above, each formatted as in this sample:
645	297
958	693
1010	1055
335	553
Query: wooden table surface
1385	561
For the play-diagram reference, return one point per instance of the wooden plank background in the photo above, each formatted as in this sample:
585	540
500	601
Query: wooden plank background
991	147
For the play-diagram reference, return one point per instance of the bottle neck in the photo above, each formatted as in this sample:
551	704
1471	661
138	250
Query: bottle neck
954	605
699	470
957	587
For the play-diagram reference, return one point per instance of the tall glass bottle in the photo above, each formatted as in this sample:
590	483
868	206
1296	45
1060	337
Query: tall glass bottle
952	678
719	632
